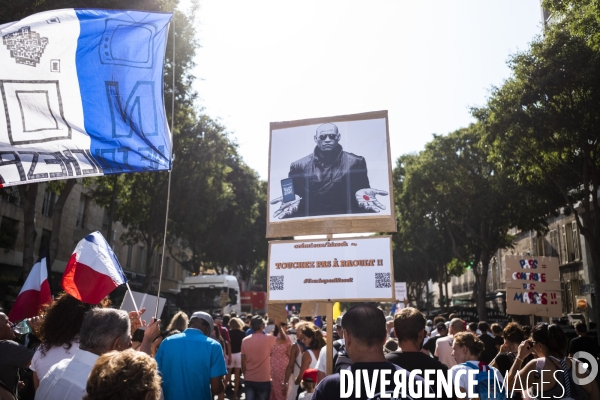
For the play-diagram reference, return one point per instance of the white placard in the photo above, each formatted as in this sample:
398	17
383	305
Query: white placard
401	293
334	270
143	300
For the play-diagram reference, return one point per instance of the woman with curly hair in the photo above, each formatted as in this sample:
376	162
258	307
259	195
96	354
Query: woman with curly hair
312	337
59	333
126	375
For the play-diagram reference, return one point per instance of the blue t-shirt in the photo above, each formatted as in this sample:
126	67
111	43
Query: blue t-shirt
187	362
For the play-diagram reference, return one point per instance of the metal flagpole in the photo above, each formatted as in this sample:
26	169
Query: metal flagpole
164	246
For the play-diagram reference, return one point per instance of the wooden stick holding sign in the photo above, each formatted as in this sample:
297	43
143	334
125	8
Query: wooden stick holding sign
329	342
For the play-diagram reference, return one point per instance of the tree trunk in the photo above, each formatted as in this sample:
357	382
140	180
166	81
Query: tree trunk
149	267
482	292
57	220
28	194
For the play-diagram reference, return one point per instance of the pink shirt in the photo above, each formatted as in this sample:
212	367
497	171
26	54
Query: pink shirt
257	349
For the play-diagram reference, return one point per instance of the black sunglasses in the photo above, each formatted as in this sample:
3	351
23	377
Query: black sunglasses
331	136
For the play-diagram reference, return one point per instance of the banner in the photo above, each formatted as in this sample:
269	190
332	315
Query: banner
533	286
330	175
401	292
331	270
81	94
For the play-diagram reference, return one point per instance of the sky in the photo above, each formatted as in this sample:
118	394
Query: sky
426	62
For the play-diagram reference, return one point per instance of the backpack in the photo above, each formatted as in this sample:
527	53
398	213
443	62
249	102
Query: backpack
341	360
484	381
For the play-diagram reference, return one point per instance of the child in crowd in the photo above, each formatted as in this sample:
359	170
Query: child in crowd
309	381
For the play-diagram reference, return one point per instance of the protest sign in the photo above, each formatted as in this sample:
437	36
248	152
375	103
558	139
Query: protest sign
401	293
312	309
331	270
143	300
533	286
277	312
354	195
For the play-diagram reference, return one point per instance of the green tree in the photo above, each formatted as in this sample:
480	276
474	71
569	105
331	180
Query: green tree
543	125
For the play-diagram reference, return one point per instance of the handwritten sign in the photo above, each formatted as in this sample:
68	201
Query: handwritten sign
277	312
533	286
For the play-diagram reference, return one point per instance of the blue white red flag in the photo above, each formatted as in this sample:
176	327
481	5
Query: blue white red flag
34	293
93	271
81	94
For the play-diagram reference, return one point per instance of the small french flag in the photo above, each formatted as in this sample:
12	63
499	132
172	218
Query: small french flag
93	271
34	294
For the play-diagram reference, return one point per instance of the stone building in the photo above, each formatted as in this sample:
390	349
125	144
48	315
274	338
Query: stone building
81	216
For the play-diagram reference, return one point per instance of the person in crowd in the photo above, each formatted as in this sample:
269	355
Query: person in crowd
309	380
270	326
256	367
466	350
216	335
295	360
472	328
312	337
337	346
410	326
59	333
450	318
226	319
497	333
513	336
526	331
12	356
159	339
225	334
178	324
389	325
102	330
488	354
292	328
429	346
125	375
364	344
235	366
443	347
191	363
583	342
390	346
280	353
436	322
549	342
429	327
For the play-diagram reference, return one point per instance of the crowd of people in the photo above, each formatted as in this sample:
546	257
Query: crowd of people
93	352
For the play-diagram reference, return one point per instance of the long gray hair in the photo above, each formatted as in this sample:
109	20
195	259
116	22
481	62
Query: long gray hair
100	328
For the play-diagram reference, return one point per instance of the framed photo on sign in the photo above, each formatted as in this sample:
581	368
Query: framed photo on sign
330	175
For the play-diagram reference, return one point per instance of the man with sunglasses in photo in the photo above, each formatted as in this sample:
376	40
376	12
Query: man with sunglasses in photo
329	181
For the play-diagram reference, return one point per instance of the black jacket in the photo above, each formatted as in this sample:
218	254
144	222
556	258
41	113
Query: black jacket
328	183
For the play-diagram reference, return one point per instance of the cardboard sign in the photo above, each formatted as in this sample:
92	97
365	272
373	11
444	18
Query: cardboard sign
532	273
355	196
401	292
527	302
277	312
313	309
143	300
353	269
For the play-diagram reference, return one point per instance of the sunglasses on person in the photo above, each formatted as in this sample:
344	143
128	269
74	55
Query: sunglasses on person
332	136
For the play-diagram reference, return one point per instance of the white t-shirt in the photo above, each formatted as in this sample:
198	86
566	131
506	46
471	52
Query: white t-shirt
463	379
322	362
41	363
305	396
443	351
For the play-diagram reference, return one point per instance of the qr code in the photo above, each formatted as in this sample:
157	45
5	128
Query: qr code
382	280
277	282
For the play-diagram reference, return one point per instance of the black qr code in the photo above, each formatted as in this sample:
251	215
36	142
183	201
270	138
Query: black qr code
277	282
382	280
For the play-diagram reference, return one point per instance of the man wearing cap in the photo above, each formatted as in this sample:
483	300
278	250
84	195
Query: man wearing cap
337	345
191	363
429	346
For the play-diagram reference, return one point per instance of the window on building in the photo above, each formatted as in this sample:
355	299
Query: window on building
575	241
9	230
81	212
570	290
129	256
11	195
565	244
554	244
48	204
571	246
44	241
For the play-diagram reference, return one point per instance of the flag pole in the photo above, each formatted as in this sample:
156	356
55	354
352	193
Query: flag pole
132	299
164	246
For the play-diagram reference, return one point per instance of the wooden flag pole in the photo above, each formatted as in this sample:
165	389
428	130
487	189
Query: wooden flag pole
164	246
330	323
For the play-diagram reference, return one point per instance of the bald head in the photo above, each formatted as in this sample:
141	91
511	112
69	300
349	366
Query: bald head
456	325
327	137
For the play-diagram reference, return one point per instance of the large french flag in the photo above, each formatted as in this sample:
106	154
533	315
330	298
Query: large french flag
81	94
34	293
93	271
